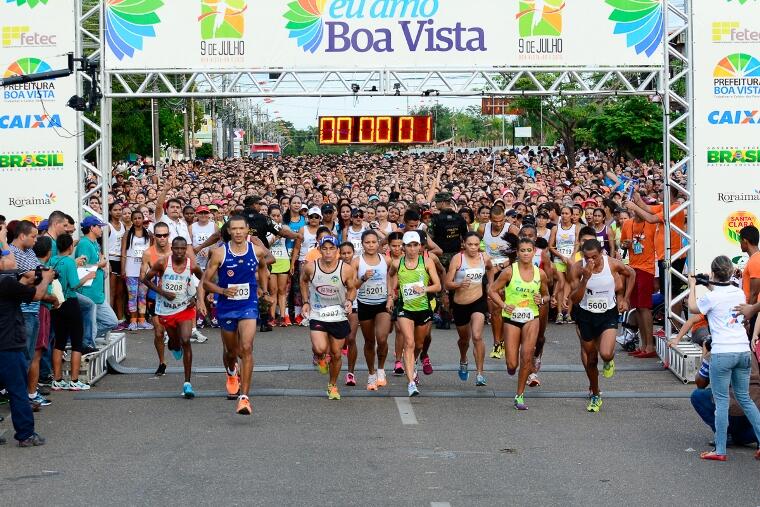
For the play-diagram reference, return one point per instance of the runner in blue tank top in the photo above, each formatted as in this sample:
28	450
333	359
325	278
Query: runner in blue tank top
241	271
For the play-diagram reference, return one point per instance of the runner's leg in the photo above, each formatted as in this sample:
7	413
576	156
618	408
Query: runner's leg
382	328
463	342
477	324
368	332
406	326
353	322
590	356
336	358
245	336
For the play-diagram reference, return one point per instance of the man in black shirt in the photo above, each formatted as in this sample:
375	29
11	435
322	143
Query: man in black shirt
261	225
13	362
448	228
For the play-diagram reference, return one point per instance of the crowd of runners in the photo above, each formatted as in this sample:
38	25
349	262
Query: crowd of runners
387	248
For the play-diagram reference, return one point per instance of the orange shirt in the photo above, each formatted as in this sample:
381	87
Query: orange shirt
751	270
313	254
642	233
675	239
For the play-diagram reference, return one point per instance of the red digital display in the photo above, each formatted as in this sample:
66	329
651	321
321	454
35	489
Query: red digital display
375	129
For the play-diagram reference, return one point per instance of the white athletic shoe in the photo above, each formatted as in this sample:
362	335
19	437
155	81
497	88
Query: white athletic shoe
198	337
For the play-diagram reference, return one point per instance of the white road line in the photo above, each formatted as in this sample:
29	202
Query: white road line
405	411
440	504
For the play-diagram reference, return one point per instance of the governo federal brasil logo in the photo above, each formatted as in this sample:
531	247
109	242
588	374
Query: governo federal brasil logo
30	3
641	21
128	23
222	19
328	24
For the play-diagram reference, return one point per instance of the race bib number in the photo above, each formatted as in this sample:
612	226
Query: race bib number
334	312
522	315
242	291
474	275
499	262
200	239
565	250
597	305
138	255
174	287
374	289
408	291
279	251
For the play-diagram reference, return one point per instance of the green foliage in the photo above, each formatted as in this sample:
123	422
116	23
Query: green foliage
633	125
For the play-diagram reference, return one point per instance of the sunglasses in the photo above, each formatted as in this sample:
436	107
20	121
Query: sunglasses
161	235
314	216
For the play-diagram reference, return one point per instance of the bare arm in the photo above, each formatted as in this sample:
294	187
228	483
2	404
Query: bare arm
435	281
449	282
153	272
306	272
432	247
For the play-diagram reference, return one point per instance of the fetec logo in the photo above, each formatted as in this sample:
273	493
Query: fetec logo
735	222
731	31
222	19
30	3
28	91
30	121
26	159
44	200
540	18
128	22
733	156
737	75
21	36
641	21
311	21
734	117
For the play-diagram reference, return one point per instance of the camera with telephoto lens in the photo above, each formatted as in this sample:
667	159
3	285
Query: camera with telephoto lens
19	273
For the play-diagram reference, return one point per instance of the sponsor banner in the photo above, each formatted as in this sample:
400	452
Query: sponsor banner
357	34
38	141
726	126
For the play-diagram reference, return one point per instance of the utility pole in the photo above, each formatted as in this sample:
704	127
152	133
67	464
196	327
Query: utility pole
187	133
192	127
155	134
214	151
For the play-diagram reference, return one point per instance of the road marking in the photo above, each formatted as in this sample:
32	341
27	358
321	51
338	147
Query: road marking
440	504
405	410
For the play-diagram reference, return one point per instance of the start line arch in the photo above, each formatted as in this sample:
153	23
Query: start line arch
592	64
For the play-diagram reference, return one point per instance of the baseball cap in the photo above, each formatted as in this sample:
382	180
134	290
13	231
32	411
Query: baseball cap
314	211
442	197
202	209
356	212
328	208
213	207
43	226
92	221
411	237
304	206
328	239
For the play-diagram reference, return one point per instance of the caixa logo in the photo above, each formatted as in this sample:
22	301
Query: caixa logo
30	121
310	22
734	117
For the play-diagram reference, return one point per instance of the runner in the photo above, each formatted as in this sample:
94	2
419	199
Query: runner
328	295
176	302
604	234
160	250
593	291
117	288
200	232
562	245
520	311
133	246
241	268
374	318
467	277
353	233
497	249
347	255
278	279
395	252
415	315
306	240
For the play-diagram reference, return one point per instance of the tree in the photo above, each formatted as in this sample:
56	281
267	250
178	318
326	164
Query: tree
633	125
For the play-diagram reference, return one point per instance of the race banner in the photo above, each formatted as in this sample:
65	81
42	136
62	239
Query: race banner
38	133
726	126
372	34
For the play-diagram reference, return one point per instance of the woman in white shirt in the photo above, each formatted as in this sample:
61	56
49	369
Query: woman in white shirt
730	360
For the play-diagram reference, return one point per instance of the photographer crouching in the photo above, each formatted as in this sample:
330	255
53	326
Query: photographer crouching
730	357
17	288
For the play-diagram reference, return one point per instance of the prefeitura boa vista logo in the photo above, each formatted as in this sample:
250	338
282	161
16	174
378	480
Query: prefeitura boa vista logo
331	24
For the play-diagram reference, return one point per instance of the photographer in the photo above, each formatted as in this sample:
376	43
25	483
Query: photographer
15	290
731	358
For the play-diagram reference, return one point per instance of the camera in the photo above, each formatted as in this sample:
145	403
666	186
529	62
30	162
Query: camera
18	273
702	279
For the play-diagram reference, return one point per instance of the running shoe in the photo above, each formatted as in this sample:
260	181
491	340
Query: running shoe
161	370
286	321
520	402
233	385
132	326
199	322
344	350
480	380
569	319
412	389
463	373
595	404
214	322
609	369
398	369
298	320
533	381
350	379
372	382
559	320
322	366
46	381
198	337
34	441
501	350
304	323
427	367
381	380
416	377
144	325
40	400
60	385
244	405
177	354
332	392
495	352
187	391
166	337
121	326
537	364
78	385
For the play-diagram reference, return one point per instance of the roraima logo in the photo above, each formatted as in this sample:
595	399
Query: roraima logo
44	200
734	117
411	24
30	121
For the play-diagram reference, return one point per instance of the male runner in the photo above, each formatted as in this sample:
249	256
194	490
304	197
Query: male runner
593	291
328	294
176	301
158	251
238	265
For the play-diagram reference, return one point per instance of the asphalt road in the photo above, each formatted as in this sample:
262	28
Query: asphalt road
133	441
